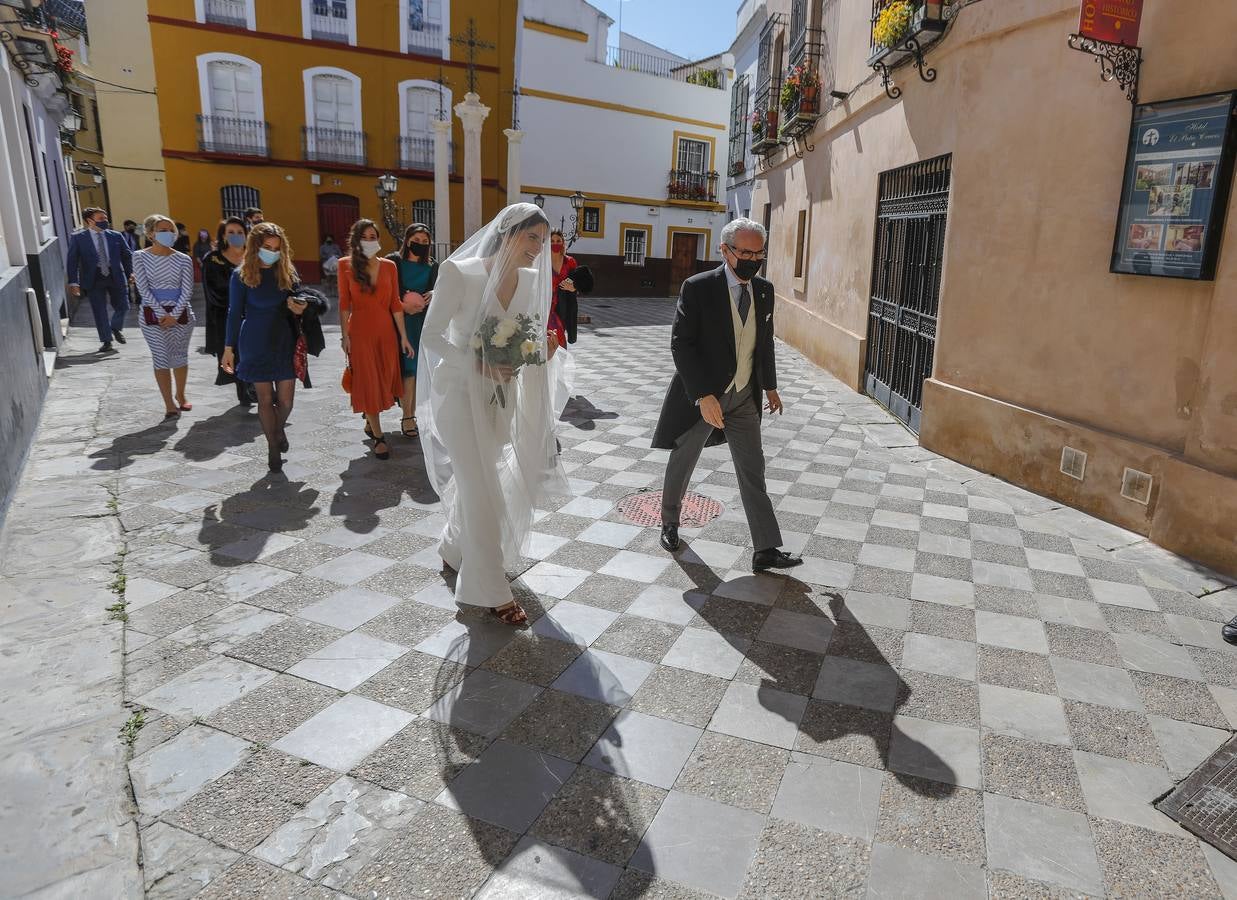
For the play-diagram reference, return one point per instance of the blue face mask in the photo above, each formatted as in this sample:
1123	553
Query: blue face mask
166	238
236	240
102	224
268	257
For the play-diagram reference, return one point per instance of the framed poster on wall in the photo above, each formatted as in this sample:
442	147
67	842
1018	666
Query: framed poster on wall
1178	172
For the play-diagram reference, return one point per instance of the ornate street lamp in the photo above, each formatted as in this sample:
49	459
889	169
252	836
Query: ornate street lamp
577	204
539	199
393	217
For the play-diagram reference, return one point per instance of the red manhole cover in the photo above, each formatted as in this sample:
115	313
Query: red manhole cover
645	509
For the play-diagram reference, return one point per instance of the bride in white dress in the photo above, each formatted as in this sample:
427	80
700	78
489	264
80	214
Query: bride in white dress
491	385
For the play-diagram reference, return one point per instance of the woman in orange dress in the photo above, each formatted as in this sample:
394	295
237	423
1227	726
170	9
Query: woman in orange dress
371	316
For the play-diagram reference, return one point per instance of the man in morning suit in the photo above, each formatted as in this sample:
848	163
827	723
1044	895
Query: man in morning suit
722	342
100	264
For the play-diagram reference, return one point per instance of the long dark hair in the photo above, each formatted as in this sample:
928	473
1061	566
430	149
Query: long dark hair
221	241
416	228
360	262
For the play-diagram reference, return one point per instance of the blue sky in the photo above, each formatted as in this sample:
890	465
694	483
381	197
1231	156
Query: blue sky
691	28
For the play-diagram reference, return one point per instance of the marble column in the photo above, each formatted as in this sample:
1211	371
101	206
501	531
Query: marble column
514	137
472	113
442	182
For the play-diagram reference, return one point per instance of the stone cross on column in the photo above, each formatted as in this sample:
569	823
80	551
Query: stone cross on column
442	183
472	113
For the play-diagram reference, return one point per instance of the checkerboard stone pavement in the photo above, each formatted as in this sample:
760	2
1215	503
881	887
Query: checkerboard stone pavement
965	691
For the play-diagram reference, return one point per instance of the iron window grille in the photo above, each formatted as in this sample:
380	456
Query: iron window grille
634	247
417	152
764	117
906	281
423	212
236	198
737	159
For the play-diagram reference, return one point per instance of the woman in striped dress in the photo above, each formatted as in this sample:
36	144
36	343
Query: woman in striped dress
164	279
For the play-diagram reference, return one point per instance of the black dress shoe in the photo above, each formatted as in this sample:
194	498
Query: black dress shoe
764	560
670	537
1229	631
119	335
107	347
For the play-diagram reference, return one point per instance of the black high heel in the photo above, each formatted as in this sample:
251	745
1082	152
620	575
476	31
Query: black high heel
273	460
385	454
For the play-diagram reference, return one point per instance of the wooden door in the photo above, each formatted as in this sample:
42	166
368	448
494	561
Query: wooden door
336	213
682	259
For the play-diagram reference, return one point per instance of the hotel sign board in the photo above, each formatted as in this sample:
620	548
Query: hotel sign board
1113	21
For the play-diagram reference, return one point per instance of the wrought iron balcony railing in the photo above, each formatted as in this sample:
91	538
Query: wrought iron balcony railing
685	184
239	137
337	145
926	16
226	12
329	21
764	122
418	153
424	37
706	73
800	95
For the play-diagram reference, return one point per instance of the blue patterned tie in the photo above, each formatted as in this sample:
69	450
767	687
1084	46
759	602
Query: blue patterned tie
102	247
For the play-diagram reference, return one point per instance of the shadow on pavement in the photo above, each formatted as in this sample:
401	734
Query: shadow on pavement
126	448
828	721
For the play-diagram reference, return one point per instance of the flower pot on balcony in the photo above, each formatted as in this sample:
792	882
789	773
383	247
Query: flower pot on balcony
927	16
809	100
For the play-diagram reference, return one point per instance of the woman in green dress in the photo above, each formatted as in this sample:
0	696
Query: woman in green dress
417	274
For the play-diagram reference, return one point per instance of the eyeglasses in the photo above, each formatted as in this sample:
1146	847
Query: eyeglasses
746	254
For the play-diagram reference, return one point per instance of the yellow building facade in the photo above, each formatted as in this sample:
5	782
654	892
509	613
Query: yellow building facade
298	106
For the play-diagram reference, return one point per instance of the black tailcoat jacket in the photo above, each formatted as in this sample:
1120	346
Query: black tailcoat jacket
702	342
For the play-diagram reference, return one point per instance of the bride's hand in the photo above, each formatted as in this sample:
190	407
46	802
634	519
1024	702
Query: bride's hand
501	373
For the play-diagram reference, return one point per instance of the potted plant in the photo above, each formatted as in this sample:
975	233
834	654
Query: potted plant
758	124
893	24
807	89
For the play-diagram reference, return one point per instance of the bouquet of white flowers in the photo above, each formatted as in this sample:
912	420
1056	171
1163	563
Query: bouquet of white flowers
509	341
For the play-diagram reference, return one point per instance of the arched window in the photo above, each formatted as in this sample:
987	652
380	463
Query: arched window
424	26
333	131
421	103
236	198
233	113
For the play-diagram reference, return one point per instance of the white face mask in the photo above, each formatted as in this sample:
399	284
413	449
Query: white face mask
371	248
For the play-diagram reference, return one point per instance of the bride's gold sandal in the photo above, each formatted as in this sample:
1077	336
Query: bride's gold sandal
511	614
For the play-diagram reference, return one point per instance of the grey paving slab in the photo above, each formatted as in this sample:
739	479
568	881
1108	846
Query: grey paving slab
339	831
166	776
1042	843
537	870
899	873
644	748
203	689
344	733
762	714
830	795
483	703
946	753
347	662
509	785
716	860
1122	790
1023	714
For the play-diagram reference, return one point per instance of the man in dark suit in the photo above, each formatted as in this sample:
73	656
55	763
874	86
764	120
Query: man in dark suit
722	342
100	264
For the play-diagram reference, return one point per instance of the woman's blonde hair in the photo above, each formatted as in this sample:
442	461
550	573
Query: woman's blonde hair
251	266
149	223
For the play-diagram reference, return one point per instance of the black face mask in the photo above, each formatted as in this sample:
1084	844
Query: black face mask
747	269
420	251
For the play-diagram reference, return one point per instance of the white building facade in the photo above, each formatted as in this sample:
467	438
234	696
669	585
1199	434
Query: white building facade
639	132
741	163
36	217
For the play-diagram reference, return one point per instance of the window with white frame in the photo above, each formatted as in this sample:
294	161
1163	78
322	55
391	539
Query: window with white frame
233	13
230	89
329	20
333	116
634	246
693	156
424	26
421	104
